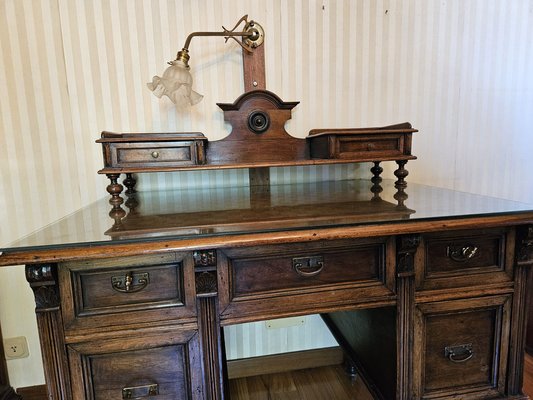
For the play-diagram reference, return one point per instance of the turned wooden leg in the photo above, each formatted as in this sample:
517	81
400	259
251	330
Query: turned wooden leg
401	173
376	179
114	189
350	368
129	182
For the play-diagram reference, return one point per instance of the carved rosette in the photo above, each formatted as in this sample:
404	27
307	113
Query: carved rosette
205	258
205	264
43	281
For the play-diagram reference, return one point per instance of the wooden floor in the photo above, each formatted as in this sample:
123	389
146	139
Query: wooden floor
311	384
321	383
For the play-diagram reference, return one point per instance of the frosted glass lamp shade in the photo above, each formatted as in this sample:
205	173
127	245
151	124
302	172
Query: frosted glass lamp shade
176	84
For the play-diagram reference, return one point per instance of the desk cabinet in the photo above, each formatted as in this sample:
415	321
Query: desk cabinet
424	305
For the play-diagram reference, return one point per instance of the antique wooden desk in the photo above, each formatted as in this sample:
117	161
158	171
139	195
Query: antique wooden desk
426	296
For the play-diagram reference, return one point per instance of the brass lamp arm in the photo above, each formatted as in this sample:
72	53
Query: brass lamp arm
226	34
252	33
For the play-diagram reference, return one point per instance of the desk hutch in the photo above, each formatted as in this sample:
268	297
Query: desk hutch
423	288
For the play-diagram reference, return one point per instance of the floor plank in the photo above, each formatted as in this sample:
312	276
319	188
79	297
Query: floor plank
309	384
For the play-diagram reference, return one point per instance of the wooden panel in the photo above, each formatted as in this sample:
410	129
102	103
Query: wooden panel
89	299
102	369
477	331
284	362
369	339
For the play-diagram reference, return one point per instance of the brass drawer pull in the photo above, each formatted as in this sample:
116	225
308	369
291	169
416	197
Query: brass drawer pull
130	283
462	253
308	266
459	354
138	392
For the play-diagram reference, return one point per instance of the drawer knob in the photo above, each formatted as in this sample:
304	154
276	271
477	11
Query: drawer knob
462	253
459	354
308	266
130	283
138	392
155	154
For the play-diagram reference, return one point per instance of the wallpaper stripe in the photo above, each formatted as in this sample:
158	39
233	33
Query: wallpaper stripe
458	70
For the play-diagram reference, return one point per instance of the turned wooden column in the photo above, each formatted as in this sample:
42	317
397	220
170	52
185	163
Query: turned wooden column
522	279
209	323
405	288
44	283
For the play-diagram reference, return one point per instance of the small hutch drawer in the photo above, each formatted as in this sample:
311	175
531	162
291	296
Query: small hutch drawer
149	154
461	348
150	366
372	144
127	290
465	258
142	152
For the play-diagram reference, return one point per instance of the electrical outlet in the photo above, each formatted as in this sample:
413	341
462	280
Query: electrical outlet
16	347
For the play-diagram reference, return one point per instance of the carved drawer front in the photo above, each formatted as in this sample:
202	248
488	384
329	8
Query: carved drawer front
465	258
461	348
148	367
299	275
127	290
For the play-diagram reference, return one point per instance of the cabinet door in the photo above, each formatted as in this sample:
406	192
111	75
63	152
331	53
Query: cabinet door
165	366
461	348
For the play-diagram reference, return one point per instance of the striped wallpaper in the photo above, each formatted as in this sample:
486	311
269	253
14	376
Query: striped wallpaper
459	70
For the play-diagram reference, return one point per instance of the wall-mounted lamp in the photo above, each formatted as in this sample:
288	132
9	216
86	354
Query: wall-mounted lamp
176	82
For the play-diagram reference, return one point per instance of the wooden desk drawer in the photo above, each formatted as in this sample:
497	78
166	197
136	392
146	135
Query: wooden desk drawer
127	290
304	277
460	347
280	268
149	366
453	259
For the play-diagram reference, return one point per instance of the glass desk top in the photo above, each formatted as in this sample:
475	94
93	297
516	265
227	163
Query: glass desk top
178	214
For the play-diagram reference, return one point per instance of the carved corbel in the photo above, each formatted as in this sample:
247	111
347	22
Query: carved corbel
205	267
406	249
524	245
43	281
